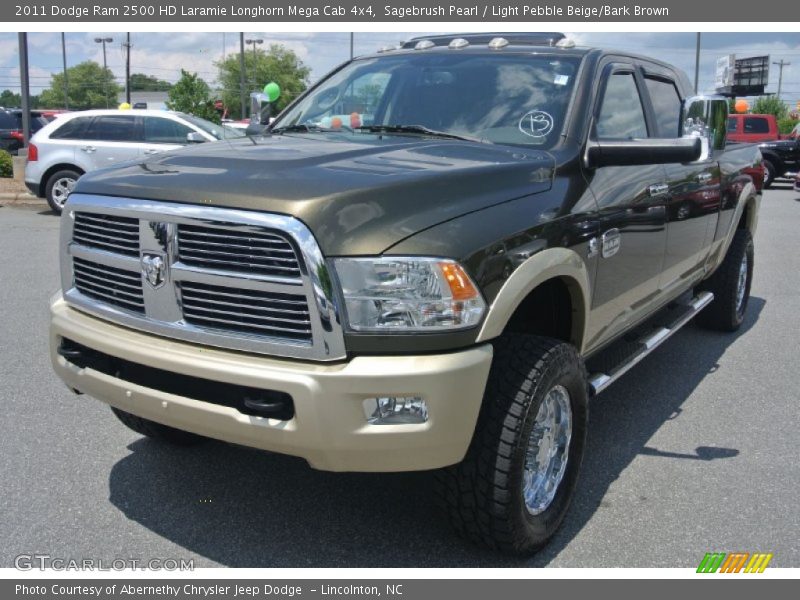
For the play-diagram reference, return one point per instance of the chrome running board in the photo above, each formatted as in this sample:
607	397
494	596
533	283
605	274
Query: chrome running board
645	345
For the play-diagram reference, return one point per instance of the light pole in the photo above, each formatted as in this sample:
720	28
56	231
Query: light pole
254	42
104	41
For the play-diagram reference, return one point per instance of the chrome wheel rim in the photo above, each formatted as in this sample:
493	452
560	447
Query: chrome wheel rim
547	451
741	286
62	188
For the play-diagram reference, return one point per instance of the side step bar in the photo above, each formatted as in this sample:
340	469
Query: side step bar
600	381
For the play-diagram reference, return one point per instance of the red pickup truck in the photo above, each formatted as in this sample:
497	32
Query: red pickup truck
752	128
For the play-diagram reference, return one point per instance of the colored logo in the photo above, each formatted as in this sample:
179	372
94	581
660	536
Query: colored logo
734	562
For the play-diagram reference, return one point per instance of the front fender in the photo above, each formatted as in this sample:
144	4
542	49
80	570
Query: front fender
552	263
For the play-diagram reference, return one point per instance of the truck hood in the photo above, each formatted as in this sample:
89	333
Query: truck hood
359	194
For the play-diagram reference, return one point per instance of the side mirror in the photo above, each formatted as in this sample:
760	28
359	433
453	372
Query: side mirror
650	151
195	137
706	118
261	105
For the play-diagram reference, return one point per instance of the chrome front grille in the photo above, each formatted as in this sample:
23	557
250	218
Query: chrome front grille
117	287
222	277
249	311
106	232
251	251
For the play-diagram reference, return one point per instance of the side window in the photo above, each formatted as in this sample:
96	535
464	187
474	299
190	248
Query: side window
621	113
667	106
158	130
73	129
756	125
732	122
112	128
7	120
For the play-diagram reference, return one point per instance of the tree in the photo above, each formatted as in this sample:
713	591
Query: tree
148	83
9	99
769	105
277	63
90	86
192	95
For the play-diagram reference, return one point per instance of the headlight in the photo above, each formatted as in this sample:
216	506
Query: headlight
408	294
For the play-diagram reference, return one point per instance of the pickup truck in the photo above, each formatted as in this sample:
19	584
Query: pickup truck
501	227
753	128
780	158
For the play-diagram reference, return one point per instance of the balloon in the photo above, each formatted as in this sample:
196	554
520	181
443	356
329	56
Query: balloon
741	106
272	91
124	106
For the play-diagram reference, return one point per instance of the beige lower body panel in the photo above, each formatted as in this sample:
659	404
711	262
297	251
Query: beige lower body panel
329	428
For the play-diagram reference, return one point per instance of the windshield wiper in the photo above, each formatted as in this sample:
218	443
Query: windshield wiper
420	129
298	128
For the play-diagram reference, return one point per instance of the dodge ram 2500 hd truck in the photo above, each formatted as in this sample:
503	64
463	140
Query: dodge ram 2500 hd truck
432	260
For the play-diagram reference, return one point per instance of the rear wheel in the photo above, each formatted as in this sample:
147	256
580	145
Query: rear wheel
730	285
514	486
157	431
769	173
59	187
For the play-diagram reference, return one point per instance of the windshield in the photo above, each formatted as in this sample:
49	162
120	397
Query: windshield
220	132
498	98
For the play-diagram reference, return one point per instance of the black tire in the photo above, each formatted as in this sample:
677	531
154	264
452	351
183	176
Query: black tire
726	311
769	173
53	190
482	496
157	431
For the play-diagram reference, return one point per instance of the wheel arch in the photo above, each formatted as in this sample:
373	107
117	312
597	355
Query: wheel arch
54	169
559	270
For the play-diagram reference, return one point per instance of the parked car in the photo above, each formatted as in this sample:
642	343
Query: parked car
11	136
78	142
797	182
781	159
446	286
752	128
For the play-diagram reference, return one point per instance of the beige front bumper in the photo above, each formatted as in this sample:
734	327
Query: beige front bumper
329	428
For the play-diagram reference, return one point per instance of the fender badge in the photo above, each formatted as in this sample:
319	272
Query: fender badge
612	240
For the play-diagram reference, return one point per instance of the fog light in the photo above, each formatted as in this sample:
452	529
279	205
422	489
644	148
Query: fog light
396	410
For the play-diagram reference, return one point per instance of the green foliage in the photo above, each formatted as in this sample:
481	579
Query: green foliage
9	99
148	83
90	86
769	105
786	124
6	164
277	63
192	95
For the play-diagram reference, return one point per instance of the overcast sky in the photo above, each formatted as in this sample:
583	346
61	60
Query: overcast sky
164	54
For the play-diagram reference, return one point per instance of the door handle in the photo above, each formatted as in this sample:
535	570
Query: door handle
704	177
658	189
151	151
89	149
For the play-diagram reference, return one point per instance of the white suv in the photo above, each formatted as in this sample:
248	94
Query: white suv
82	141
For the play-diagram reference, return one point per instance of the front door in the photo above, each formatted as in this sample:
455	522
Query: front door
632	213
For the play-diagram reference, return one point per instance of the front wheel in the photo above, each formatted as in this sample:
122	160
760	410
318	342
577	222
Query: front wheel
514	486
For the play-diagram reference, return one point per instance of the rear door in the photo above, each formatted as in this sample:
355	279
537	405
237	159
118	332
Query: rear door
693	200
110	139
632	209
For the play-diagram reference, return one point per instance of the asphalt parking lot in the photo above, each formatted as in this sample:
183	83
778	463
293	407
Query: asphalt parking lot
693	451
